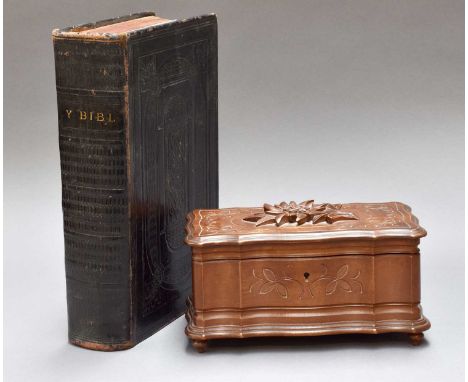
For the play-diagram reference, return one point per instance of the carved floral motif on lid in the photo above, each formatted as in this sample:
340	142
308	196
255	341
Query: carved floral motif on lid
292	212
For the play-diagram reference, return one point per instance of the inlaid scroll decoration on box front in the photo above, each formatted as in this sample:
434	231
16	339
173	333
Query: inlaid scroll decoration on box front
267	281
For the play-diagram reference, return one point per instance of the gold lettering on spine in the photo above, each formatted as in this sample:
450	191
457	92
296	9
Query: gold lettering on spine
85	115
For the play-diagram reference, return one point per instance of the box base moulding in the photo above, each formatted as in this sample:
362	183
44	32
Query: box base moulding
287	322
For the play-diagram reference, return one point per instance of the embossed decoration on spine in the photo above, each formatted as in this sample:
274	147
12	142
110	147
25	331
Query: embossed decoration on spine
299	214
269	281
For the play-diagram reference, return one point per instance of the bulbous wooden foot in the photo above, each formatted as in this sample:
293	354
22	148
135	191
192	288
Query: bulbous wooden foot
415	338
200	345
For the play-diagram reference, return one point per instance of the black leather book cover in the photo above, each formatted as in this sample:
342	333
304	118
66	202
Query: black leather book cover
137	111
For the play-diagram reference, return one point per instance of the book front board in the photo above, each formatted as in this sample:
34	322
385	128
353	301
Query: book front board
173	157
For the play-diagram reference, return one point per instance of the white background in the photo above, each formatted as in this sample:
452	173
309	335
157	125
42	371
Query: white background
335	100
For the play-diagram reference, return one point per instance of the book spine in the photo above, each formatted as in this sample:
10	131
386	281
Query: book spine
92	118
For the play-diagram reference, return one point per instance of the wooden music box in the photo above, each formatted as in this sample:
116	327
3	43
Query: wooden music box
304	270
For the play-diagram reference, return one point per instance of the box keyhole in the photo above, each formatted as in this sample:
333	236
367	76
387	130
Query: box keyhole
306	276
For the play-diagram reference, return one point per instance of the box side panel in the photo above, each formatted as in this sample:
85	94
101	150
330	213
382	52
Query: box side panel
222	285
394	279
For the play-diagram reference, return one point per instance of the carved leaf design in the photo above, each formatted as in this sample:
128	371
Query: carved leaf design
323	269
301	218
267	288
254	285
254	218
329	206
307	204
321	207
331	287
269	275
281	219
340	215
278	218
345	286
319	218
282	291
272	209
342	272
266	219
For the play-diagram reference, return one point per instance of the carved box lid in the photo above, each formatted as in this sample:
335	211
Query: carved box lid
306	221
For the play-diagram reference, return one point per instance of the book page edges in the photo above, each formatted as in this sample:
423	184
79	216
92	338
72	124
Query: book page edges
110	29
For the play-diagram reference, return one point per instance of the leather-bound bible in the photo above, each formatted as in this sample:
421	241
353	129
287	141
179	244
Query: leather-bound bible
137	112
